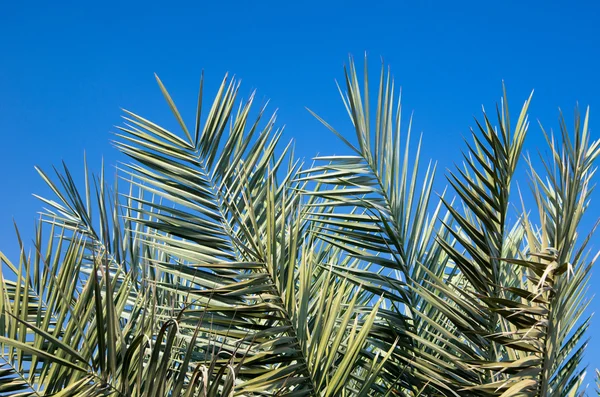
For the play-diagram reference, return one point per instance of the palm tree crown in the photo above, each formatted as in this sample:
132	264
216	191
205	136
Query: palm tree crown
220	265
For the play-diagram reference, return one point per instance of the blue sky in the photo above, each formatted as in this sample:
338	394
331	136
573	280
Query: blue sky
66	69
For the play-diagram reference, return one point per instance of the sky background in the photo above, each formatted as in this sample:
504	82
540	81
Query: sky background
66	68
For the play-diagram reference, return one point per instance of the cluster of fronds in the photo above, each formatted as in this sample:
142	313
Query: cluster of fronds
222	266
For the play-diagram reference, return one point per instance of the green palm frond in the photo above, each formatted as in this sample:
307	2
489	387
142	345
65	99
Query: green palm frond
380	182
532	296
482	236
548	307
383	220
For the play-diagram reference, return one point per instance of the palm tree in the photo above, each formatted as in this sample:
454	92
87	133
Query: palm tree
218	264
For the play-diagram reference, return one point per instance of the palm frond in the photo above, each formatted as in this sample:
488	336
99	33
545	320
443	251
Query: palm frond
381	203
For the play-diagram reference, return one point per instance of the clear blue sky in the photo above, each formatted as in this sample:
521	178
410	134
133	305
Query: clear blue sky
65	69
